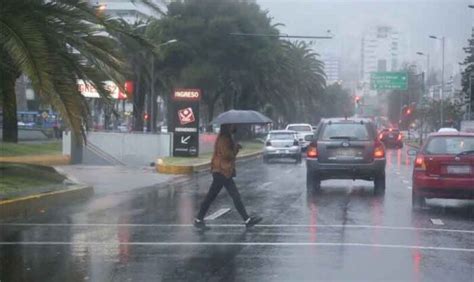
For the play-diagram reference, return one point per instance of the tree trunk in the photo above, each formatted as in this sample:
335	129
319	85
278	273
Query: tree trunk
210	115
10	122
138	105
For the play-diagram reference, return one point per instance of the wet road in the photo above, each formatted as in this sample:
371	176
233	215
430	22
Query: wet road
343	233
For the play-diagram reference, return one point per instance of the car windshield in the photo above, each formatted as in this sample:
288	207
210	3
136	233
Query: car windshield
282	136
300	128
352	131
449	145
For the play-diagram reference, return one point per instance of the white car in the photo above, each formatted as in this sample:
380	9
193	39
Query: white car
448	129
304	132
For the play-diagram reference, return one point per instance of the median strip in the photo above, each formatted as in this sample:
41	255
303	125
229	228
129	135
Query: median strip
182	165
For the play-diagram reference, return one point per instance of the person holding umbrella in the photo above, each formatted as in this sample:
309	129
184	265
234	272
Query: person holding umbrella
223	172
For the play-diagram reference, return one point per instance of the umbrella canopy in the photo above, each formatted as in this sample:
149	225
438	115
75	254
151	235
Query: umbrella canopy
241	117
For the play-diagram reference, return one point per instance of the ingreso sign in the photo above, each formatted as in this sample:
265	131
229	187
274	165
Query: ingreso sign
388	81
186	122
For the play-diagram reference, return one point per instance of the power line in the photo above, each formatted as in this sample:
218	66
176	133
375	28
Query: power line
280	36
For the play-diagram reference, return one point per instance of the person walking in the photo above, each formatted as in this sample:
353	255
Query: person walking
223	172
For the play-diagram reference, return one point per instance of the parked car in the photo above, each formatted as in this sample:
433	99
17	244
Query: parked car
346	149
444	167
391	137
282	144
304	131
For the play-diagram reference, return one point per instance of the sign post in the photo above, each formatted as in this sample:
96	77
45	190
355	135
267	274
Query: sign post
388	81
185	122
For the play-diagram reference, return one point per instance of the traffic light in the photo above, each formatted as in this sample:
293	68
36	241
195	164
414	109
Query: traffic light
407	111
357	100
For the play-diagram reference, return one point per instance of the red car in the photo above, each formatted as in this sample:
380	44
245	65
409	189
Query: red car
444	168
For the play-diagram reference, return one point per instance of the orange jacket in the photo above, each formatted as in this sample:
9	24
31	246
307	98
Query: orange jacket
223	159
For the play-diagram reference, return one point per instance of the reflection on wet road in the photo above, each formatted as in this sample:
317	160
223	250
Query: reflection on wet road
345	232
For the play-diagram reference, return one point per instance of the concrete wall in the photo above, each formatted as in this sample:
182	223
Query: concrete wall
67	143
133	148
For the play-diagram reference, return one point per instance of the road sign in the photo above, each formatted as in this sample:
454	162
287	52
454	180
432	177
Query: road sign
186	122
388	81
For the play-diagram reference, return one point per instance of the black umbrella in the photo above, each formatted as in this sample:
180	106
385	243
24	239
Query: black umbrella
241	117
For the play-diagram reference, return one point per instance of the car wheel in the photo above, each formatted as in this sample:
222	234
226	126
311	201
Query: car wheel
417	202
379	183
312	181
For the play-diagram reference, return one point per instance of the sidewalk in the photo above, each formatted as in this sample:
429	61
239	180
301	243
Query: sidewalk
113	179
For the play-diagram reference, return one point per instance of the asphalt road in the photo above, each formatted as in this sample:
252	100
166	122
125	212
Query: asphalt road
343	233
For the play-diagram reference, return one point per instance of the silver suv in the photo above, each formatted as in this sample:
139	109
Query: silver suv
346	149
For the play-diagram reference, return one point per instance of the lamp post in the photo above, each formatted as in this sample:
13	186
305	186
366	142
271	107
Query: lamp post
442	39
427	65
152	87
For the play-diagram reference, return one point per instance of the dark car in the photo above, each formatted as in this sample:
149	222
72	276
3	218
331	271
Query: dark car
346	149
444	168
391	137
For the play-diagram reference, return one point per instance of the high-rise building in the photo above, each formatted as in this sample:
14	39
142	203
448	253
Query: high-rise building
331	68
380	51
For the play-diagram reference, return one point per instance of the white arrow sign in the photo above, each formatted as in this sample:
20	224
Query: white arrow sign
185	140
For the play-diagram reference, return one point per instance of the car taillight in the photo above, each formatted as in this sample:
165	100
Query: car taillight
379	151
296	143
268	144
399	137
312	151
420	163
381	136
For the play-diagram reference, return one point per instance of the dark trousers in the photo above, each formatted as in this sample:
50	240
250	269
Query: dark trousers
218	182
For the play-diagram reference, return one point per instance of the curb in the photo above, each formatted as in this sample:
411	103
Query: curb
196	168
37	204
48	160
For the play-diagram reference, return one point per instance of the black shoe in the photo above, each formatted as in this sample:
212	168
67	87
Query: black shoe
199	224
252	221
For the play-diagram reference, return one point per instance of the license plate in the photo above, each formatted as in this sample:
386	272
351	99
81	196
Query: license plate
390	135
344	153
459	169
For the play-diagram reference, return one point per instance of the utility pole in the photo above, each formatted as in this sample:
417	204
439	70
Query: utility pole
442	83
152	95
442	39
470	99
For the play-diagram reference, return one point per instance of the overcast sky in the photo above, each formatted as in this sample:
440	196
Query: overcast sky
347	19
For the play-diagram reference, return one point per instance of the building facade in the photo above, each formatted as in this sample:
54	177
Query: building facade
380	51
332	68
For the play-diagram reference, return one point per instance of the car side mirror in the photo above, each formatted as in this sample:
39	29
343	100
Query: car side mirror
412	152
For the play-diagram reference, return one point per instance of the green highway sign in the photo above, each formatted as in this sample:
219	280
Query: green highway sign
388	81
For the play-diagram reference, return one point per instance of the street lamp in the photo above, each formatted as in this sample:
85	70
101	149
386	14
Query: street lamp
427	63
152	86
442	39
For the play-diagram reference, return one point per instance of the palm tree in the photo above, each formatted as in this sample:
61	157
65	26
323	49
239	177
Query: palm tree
55	43
293	84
